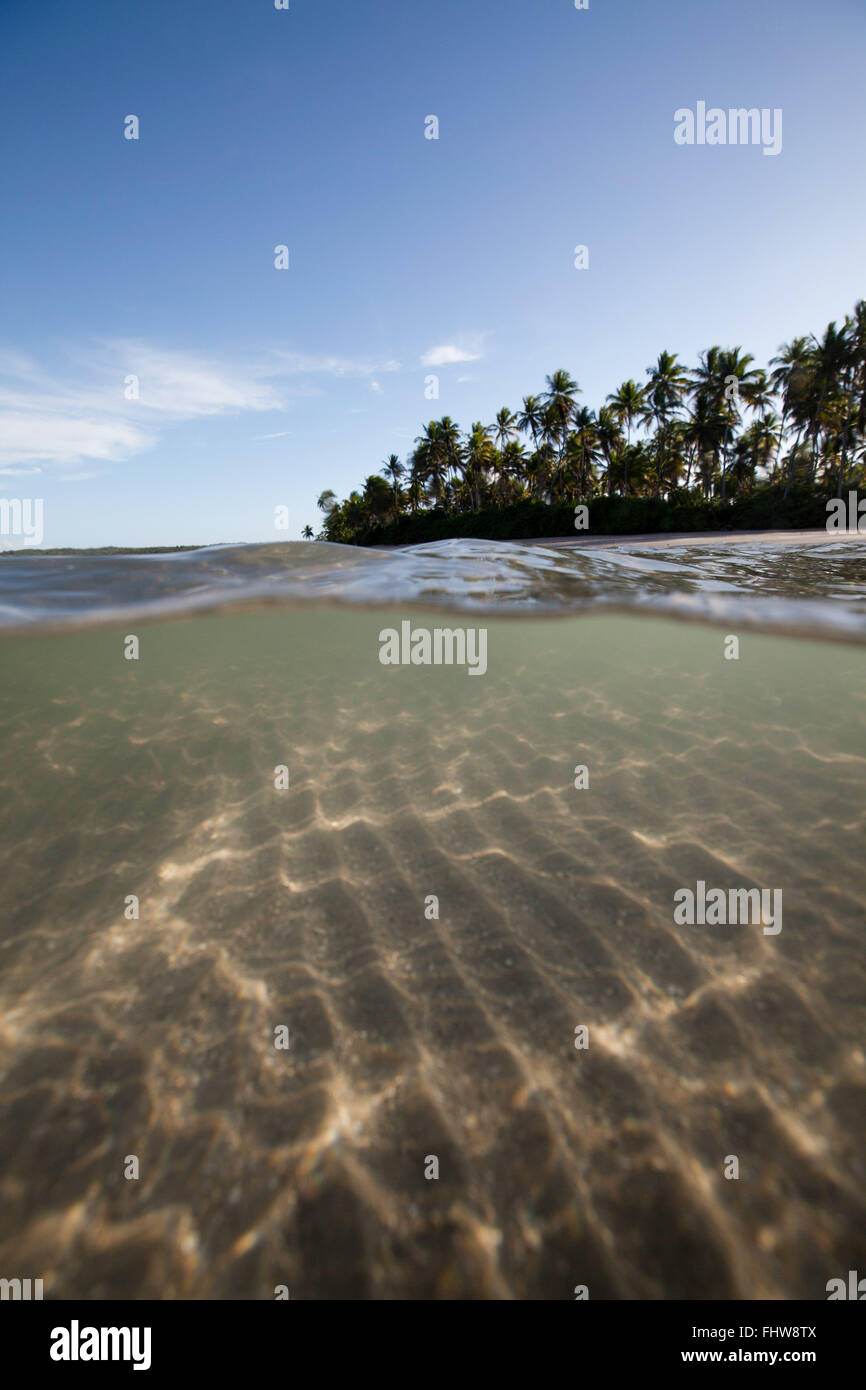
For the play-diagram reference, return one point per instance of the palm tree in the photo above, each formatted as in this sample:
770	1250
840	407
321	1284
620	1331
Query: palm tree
737	376
792	364
478	459
307	532
415	490
540	470
628	404
638	463
832	358
668	382
791	378
531	418
449	434
610	441
430	460
676	454
356	512
336	526
559	400
583	448
504	428
858	339
441	454
798	460
510	465
723	374
757	445
855	383
394	470
702	438
759	394
326	501
377	497
707	393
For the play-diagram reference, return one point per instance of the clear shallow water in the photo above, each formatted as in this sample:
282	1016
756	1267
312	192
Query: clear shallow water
817	586
413	1037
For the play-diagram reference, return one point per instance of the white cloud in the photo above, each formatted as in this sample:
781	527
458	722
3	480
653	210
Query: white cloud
447	355
79	413
280	434
83	414
305	364
186	387
61	438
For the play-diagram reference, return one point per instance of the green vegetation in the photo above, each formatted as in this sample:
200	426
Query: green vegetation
763	508
723	445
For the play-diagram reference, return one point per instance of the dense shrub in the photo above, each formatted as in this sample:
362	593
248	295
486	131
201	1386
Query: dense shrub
763	509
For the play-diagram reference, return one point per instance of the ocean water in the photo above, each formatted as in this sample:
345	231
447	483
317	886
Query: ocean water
431	908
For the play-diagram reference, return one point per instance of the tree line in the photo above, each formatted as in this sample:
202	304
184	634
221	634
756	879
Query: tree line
715	431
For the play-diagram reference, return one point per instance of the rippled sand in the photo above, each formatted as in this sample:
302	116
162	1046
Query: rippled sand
413	1037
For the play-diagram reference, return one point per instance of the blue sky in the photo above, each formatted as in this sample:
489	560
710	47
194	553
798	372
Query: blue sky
259	127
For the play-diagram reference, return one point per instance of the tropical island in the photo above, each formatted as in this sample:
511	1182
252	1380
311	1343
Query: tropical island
724	445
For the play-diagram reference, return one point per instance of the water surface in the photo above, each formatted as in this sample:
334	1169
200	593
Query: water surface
413	1037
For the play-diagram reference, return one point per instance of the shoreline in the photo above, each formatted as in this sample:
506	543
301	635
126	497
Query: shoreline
815	536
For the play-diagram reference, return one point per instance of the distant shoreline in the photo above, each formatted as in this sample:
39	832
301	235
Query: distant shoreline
816	535
106	550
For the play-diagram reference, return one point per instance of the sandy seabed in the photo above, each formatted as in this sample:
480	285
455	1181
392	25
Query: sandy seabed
412	1037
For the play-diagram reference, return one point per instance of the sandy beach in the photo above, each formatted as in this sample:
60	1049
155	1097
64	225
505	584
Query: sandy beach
819	536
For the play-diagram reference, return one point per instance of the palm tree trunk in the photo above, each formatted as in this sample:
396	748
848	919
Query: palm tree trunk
625	462
791	459
850	394
659	463
725	461
781	441
815	432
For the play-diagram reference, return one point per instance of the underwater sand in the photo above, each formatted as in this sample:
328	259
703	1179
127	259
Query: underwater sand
412	1037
